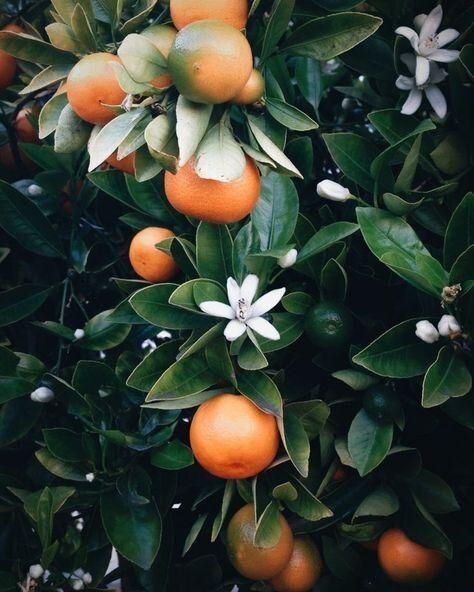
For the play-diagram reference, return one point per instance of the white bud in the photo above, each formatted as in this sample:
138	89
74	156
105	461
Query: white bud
90	477
79	572
43	394
289	259
34	190
74	514
426	331
164	335
76	584
79	524
102	355
333	191
79	333
448	325
87	578
149	343
35	571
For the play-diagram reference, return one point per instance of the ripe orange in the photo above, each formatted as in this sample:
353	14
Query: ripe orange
407	562
25	130
303	569
126	165
162	37
7	61
232	12
213	201
210	62
92	83
252	91
232	438
256	563
147	261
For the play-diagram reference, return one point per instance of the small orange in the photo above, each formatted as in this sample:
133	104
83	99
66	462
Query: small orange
126	165
162	37
210	62
340	474
7	61
407	562
213	201
91	84
256	563
25	130
232	12
252	91
147	261
232	438
303	569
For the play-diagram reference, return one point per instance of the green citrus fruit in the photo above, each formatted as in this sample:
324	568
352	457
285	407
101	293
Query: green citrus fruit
329	325
381	403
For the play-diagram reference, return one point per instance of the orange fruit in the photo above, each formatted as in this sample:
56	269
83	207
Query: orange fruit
232	438
252	91
232	12
147	261
7	61
91	84
340	474
162	37
126	165
25	130
210	62
256	563
213	201
303	569
407	562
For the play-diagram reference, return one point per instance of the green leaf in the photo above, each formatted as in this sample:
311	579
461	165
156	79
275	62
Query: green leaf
219	156
447	377
221	515
18	303
333	281
290	116
381	502
187	376
261	390
50	113
368	442
289	326
421	527
192	120
327	37
268	527
173	456
354	155
152	367
295	440
72	133
141	59
357	380
462	269
397	353
407	174
218	359
373	57
277	24
434	493
307	505
31	49
84	28
102	334
285	492
312	415
69	471
23	220
399	206
134	530
297	302
276	211
65	444
194	532
460	231
325	238
251	356
342	561
160	136
214	252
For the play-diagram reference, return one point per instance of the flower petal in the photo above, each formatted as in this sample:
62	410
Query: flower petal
263	328
437	100
405	83
233	292
267	302
432	23
234	330
413	102
422	70
419	20
217	309
437	74
249	287
410	34
445	55
446	36
409	59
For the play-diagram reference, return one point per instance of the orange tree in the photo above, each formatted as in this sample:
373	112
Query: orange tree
236	303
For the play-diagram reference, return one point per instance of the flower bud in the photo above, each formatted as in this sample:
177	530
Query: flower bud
164	335
448	325
90	477
43	394
34	190
76	583
426	331
333	191
87	578
289	259
79	333
35	571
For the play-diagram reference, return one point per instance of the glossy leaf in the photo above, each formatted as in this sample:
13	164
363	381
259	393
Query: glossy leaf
447	377
368	442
